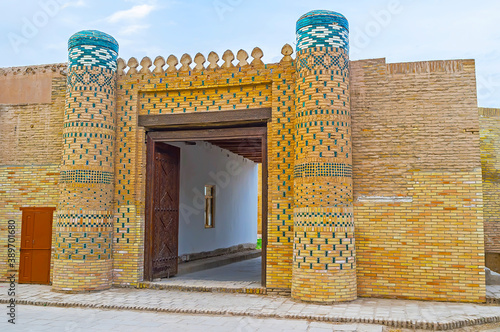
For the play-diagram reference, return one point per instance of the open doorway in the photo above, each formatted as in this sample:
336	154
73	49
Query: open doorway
208	207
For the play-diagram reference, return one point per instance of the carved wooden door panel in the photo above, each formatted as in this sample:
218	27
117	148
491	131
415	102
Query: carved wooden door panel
165	210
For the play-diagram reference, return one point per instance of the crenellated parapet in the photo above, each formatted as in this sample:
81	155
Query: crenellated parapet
200	63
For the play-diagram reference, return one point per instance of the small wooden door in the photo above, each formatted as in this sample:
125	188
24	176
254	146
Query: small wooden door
36	243
163	195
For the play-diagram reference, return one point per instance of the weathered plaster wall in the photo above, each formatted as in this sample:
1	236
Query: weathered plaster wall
28	85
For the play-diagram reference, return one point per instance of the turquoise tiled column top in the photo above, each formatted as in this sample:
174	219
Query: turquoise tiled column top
322	28
92	48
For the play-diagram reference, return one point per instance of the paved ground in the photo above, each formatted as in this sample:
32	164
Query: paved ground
54	319
35	318
397	313
245	274
132	309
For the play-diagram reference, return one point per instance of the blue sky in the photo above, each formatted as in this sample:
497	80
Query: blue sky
36	31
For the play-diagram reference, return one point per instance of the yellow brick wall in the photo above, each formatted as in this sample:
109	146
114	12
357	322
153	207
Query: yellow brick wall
30	156
36	186
426	249
417	180
489	121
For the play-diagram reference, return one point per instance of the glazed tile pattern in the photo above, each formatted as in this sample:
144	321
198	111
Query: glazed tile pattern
86	176
84	226
324	61
322	169
322	28
101	79
324	265
91	48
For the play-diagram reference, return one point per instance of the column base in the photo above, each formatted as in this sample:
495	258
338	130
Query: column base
79	276
324	286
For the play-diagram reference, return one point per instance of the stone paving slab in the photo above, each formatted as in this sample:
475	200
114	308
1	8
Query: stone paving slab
52	319
393	313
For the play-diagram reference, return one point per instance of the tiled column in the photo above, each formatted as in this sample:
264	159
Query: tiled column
324	268
84	226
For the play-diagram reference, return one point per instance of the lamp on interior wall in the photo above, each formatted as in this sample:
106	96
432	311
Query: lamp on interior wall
209	206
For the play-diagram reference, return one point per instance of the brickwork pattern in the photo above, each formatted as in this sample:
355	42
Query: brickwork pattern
31	133
228	87
417	181
30	137
35	186
489	121
402	249
84	227
324	268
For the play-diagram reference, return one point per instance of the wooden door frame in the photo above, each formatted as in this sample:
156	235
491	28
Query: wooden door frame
149	214
189	130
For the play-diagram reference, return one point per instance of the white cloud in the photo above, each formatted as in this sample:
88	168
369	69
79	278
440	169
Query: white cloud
133	14
134	28
77	3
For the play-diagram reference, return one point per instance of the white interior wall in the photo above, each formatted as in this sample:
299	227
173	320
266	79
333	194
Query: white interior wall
235	179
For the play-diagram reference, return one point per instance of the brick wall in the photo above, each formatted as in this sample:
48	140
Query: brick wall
489	121
30	153
417	180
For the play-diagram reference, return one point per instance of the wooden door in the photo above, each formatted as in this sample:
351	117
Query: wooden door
163	196
36	241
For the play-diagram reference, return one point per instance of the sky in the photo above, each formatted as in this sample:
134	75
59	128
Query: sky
36	31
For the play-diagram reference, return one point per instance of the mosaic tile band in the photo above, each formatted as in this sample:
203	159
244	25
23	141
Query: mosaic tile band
322	169
87	176
322	28
312	61
93	49
102	80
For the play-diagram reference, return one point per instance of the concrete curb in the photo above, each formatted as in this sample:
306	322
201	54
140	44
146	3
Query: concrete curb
424	325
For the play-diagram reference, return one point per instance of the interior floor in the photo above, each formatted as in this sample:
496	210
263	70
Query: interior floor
244	274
